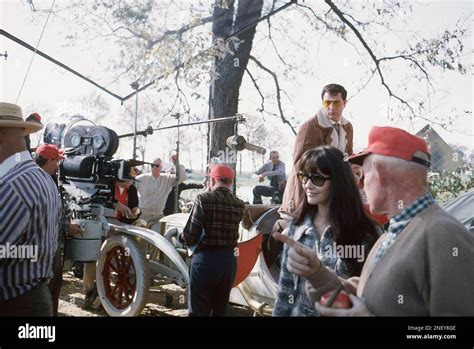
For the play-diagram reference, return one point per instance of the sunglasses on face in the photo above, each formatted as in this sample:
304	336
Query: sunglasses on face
155	165
317	179
327	103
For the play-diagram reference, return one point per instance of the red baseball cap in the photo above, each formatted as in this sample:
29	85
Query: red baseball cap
49	151
394	142
221	171
35	117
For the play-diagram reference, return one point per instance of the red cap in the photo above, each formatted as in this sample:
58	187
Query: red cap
49	151
35	117
397	143
221	171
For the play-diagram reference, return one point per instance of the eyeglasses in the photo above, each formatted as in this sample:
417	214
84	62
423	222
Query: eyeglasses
327	103
155	165
317	179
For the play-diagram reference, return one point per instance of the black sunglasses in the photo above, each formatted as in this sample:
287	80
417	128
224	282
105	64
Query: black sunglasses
155	165
317	179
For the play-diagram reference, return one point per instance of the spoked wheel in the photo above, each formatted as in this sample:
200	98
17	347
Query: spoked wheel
123	277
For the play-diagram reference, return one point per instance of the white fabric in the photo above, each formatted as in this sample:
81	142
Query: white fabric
154	193
338	140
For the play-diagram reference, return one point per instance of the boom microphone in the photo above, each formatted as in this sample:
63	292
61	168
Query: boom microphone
239	143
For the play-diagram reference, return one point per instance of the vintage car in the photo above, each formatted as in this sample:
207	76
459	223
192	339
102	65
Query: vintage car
134	259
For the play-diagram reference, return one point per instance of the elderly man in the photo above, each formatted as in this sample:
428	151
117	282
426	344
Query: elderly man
327	127
423	265
275	171
29	221
213	230
154	189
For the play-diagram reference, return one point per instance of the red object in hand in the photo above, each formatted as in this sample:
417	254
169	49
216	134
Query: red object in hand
342	300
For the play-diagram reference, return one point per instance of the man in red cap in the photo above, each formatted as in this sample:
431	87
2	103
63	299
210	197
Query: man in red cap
213	230
423	265
48	157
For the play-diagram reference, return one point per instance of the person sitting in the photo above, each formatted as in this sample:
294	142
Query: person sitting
126	198
275	171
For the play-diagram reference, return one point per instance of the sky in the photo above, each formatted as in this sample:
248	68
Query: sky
52	91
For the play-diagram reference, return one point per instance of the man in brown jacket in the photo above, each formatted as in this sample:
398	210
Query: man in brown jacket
423	265
327	127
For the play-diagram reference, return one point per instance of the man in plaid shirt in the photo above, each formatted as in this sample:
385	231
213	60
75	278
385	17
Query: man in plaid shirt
213	230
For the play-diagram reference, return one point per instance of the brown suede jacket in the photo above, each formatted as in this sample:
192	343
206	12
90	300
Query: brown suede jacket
315	132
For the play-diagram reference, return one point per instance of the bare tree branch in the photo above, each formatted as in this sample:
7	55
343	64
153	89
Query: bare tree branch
371	54
363	86
320	19
277	85
179	31
258	89
270	34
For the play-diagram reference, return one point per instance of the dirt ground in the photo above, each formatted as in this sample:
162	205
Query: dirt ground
71	301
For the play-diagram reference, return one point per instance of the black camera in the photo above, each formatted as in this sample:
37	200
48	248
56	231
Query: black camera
89	151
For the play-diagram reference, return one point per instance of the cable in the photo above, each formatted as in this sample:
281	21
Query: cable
34	53
121	99
51	59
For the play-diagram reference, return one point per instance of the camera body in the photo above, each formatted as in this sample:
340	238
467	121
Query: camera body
87	176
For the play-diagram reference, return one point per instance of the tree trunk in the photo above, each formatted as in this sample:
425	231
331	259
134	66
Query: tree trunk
230	70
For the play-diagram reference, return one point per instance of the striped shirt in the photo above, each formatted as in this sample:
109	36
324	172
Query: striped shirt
29	224
219	213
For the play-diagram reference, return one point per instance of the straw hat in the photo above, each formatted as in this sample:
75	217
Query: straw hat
12	116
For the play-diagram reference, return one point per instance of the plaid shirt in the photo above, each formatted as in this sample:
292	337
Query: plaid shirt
219	213
399	222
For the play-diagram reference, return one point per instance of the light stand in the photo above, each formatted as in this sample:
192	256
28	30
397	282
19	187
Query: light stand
135	86
176	188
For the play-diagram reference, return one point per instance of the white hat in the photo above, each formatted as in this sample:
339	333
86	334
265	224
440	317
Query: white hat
12	116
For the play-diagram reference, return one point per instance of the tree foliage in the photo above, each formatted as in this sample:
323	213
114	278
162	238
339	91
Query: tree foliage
172	42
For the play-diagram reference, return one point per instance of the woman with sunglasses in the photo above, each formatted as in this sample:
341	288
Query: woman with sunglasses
332	222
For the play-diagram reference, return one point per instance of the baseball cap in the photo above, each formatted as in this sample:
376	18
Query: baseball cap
394	142
221	171
50	151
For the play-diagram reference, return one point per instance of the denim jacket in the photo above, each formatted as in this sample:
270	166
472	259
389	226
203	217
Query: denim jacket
292	299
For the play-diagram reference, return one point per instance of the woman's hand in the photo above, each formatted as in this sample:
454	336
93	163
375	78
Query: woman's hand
302	261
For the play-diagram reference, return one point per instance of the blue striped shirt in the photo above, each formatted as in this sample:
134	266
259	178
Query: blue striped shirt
29	219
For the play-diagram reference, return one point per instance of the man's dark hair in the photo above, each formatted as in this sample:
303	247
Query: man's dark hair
225	180
40	161
334	89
